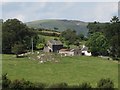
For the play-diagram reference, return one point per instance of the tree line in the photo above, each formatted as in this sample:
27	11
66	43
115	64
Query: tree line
104	38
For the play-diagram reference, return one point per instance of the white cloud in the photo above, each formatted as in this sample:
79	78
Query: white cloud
45	10
105	11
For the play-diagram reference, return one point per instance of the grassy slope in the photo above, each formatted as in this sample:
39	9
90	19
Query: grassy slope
60	24
72	70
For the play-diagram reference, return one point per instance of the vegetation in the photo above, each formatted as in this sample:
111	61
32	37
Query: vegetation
111	32
86	69
105	83
18	49
15	32
98	44
103	39
60	25
47	32
70	37
27	85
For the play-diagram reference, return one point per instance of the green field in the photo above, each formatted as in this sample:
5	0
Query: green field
72	70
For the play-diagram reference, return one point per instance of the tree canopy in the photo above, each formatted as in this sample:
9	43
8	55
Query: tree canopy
14	32
111	31
98	44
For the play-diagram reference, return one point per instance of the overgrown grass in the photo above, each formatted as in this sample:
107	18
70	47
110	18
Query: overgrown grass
72	70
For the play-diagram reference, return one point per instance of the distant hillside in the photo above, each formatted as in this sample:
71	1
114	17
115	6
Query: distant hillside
60	25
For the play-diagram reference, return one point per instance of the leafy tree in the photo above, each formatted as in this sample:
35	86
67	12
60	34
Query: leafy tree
18	49
112	33
114	19
77	43
68	36
98	44
81	36
40	42
13	31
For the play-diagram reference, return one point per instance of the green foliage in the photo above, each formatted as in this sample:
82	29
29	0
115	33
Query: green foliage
105	83
27	85
5	81
114	19
113	35
77	43
14	31
85	85
97	44
81	36
60	25
18	48
111	31
40	46
58	86
69	37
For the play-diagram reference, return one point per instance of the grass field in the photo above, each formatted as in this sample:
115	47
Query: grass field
72	70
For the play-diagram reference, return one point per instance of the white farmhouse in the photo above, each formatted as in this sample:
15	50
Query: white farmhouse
84	51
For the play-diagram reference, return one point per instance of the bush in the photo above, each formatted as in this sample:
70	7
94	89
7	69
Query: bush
5	81
60	86
16	84
85	85
39	86
105	83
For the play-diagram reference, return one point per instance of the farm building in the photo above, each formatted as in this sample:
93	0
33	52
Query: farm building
53	46
84	51
70	52
77	51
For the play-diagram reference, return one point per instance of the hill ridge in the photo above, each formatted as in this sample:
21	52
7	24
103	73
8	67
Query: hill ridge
60	25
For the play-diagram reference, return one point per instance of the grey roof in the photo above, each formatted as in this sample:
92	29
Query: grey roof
84	49
55	42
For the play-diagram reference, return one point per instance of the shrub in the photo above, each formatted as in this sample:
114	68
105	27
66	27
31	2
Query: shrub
85	85
60	86
5	81
105	83
39	86
16	84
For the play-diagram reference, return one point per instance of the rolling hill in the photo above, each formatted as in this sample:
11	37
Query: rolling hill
60	25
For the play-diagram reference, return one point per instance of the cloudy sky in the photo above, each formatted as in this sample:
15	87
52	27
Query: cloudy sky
84	11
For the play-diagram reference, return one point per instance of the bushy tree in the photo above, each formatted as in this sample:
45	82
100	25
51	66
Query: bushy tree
105	83
111	30
112	33
97	44
13	31
18	48
5	81
68	37
81	36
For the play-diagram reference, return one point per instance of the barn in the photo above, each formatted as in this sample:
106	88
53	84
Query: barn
53	46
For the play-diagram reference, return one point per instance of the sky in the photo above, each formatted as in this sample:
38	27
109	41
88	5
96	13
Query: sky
83	11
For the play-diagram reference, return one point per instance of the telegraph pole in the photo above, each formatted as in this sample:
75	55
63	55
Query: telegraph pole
32	45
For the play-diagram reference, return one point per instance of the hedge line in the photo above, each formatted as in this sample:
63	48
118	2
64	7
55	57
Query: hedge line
7	84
